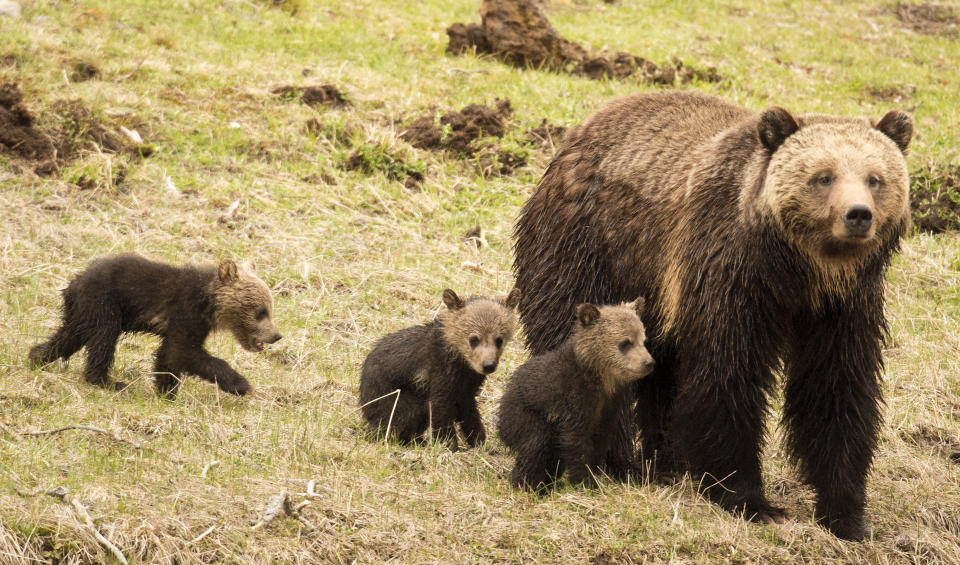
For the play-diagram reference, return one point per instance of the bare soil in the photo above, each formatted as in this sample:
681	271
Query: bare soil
546	135
517	33
18	134
457	132
935	198
326	95
929	18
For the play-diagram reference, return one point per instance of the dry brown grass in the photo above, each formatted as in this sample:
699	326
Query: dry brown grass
351	257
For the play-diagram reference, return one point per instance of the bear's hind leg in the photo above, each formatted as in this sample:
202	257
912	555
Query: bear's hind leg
61	345
101	346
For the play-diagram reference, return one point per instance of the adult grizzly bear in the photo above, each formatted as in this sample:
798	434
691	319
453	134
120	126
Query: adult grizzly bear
761	242
182	305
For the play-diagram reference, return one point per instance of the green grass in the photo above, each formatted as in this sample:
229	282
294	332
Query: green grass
352	255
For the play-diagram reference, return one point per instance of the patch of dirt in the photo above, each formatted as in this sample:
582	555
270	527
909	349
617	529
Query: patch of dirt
69	129
326	95
81	71
935	198
517	33
944	442
493	161
891	93
546	135
457	132
929	18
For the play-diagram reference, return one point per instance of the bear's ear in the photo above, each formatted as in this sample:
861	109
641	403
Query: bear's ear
587	314
898	126
639	305
227	272
510	300
775	125
451	299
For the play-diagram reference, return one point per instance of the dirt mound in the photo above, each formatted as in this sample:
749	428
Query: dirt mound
69	129
322	95
517	33
929	18
546	135
935	198
18	134
457	132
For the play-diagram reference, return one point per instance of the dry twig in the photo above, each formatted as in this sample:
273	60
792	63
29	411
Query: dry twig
100	537
110	435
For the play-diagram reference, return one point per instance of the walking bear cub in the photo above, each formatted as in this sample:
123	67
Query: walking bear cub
182	305
429	375
560	410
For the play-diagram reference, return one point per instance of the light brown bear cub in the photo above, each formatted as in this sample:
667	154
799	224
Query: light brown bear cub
182	305
560	410
430	375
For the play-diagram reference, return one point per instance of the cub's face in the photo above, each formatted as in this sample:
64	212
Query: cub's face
479	328
839	188
611	341
245	306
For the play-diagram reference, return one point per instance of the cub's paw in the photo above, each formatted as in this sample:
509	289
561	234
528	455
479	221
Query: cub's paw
238	386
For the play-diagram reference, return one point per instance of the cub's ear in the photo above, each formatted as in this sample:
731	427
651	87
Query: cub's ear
227	272
587	314
510	300
775	125
249	266
639	305
451	299
898	126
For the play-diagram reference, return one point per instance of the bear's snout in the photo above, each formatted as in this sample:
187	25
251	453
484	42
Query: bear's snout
276	337
858	219
489	367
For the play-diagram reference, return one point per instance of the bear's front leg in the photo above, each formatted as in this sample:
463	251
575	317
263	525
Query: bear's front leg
718	423
576	451
441	411
470	422
197	361
832	411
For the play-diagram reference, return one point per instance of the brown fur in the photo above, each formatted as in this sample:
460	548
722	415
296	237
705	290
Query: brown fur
560	409
430	375
128	293
746	232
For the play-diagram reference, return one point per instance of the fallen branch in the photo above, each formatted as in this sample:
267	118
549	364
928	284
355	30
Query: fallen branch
203	535
100	537
110	435
207	467
277	504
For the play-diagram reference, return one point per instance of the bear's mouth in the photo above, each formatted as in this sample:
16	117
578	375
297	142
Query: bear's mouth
256	345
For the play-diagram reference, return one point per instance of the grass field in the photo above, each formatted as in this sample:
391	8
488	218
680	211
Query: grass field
238	171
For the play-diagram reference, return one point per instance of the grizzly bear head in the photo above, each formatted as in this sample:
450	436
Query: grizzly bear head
479	328
836	188
244	306
611	342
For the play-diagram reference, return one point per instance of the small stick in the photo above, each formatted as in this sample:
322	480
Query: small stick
110	435
310	485
386	436
203	535
207	467
100	537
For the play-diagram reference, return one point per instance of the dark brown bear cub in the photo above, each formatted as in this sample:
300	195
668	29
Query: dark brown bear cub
429	375
182	305
560	410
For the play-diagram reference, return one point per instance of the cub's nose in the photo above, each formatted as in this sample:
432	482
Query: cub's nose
858	219
649	364
276	337
489	367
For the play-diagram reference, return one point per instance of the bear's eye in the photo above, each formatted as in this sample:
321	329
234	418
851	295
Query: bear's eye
625	345
261	314
474	341
499	342
873	181
825	180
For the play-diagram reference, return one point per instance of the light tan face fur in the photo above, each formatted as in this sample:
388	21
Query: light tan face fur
244	306
823	172
479	328
610	340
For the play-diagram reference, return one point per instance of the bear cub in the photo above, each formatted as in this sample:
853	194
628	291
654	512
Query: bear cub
182	305
560	409
438	369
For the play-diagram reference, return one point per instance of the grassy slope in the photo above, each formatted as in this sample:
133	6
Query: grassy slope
362	256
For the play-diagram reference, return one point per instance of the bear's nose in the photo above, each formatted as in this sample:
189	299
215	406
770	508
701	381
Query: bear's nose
649	363
276	337
489	367
858	219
